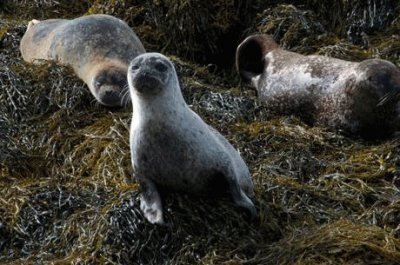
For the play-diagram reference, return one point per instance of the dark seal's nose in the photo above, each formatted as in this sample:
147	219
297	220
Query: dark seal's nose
111	98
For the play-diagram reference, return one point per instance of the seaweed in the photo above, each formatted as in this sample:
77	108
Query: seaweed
367	17
43	9
173	27
68	194
295	29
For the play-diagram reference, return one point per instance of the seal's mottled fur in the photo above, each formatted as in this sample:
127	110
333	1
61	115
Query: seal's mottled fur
358	98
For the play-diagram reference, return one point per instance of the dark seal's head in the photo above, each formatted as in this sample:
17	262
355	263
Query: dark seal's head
250	55
375	100
110	86
150	74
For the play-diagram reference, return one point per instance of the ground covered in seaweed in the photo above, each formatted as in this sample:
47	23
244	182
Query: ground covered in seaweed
322	198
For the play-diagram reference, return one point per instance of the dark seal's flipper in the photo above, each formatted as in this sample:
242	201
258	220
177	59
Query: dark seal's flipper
250	54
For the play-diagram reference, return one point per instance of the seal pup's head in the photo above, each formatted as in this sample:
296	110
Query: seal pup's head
109	84
250	55
152	75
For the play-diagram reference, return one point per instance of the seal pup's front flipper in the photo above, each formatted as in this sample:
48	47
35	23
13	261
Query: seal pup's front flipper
150	202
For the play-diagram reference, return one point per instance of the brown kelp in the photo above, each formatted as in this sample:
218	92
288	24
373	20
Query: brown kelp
66	194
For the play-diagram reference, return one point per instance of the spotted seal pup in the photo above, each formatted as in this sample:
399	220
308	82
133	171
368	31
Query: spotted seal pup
173	148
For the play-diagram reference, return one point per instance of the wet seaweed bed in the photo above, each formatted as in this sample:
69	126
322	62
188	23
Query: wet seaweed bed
66	198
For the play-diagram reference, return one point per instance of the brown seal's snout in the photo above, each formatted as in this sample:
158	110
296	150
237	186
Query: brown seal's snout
111	88
148	73
250	55
110	97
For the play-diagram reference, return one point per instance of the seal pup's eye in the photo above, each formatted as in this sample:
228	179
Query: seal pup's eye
160	67
135	67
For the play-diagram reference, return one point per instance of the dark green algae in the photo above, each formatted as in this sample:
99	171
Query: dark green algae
65	173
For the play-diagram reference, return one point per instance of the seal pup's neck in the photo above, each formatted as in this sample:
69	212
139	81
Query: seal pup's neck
165	105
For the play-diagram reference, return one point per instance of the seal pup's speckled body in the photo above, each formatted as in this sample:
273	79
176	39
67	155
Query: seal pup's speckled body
172	147
358	98
98	47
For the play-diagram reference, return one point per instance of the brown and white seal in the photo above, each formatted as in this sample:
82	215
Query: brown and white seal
172	147
98	47
357	98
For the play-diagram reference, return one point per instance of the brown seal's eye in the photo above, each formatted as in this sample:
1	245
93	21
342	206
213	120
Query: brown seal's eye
160	67
118	79
97	84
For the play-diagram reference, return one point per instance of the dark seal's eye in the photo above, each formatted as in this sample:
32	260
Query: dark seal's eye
160	67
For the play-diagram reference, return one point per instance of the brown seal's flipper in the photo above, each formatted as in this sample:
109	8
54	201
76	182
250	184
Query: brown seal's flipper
32	23
250	55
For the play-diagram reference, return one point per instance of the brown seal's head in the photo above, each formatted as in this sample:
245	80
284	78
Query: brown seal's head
111	87
150	74
250	55
107	82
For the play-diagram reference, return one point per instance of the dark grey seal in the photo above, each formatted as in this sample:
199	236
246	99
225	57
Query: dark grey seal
98	47
173	148
359	98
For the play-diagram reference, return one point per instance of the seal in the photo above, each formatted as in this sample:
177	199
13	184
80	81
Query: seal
357	98
172	148
99	48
